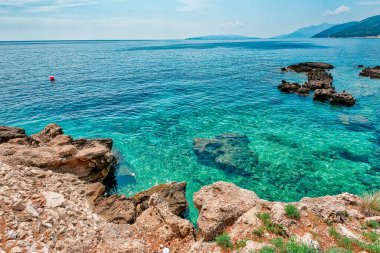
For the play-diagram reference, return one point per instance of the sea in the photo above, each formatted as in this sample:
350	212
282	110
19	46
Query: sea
154	97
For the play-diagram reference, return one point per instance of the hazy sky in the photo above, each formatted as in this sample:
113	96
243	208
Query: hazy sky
168	19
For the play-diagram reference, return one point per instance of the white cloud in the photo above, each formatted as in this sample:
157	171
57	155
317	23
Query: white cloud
43	5
338	11
369	3
193	5
230	26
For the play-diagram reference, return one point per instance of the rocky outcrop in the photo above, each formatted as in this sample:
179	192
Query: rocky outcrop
343	99
289	87
309	66
8	133
226	208
161	228
371	72
45	211
320	81
220	205
51	149
228	152
323	94
294	88
121	210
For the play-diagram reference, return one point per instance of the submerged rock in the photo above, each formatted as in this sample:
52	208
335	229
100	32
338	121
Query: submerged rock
91	160
229	152
309	66
371	72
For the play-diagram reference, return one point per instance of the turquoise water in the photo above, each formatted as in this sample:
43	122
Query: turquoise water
154	97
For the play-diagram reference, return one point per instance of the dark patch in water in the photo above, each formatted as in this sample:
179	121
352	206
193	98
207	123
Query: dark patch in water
279	140
343	153
228	152
262	45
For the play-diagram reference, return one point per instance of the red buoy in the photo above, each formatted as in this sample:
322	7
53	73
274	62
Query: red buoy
52	78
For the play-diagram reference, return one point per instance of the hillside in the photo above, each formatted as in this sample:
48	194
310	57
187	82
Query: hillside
369	27
306	32
333	30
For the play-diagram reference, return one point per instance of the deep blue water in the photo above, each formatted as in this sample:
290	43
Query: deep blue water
154	97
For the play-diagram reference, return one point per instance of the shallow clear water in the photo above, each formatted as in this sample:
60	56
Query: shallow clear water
154	97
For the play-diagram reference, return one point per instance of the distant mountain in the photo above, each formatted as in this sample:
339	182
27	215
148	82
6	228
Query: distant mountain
222	37
369	27
306	32
333	30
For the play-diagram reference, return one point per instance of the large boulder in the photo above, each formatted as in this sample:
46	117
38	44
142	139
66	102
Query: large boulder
309	66
51	149
229	152
371	72
121	210
220	205
160	228
8	133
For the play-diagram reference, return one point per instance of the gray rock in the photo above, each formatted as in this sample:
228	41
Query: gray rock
11	235
54	199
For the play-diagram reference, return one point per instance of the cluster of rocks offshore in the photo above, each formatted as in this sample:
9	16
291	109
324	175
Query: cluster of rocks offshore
319	80
46	208
373	73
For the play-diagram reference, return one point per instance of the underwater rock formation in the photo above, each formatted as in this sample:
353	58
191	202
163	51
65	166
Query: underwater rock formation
228	152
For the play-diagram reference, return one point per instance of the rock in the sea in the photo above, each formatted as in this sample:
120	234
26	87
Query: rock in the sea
304	90
50	149
319	79
229	152
343	99
371	72
122	210
8	133
309	66
220	205
289	87
323	94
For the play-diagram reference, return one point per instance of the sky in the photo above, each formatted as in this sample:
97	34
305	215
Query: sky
170	19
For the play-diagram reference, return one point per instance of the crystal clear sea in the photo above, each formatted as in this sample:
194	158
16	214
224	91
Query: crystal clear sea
154	97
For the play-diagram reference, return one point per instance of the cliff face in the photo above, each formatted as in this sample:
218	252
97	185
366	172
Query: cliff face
45	210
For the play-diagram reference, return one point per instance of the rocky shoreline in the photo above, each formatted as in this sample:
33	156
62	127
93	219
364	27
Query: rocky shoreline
52	200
